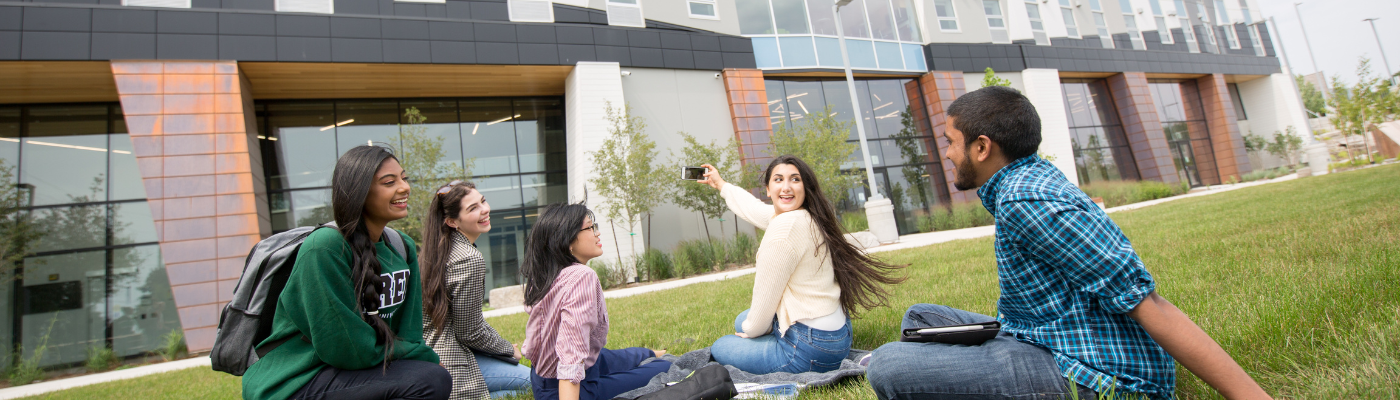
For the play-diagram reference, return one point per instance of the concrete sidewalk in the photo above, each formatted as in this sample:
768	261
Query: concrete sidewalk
905	242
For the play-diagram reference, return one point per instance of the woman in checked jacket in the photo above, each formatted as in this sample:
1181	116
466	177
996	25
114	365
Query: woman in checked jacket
454	273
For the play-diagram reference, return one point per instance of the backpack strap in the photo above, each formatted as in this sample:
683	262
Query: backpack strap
395	242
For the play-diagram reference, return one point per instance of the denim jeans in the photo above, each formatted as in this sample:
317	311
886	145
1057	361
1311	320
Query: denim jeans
1001	368
404	379
800	349
616	372
503	378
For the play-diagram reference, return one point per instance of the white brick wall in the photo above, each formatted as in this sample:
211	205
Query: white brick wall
1042	86
588	91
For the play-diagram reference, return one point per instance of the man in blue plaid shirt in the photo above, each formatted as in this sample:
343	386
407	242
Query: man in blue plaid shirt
1076	303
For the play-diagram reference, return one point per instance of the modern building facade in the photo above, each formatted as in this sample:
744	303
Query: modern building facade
160	139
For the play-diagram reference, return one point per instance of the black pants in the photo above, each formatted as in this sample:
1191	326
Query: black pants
404	379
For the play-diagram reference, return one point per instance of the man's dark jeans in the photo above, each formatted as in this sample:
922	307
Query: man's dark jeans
404	379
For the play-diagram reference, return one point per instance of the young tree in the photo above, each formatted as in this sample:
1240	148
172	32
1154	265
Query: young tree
821	142
991	79
628	175
422	157
700	198
18	231
1285	145
1359	107
1312	98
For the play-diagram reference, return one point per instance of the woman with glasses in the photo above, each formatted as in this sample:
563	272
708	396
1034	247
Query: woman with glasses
568	324
482	363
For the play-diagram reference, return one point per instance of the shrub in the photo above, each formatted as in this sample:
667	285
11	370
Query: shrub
965	215
26	369
609	275
655	264
1266	174
744	249
101	359
1117	193
694	257
855	221
174	346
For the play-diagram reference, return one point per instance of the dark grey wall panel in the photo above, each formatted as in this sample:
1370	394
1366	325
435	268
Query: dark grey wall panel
357	28
459	10
650	58
678	59
675	41
410	9
488	32
406	29
573	35
357	50
119	46
247	48
538	54
497	53
55	46
709	60
9	45
303	49
641	38
407	51
126	21
610	37
57	19
706	43
453	52
735	44
435	11
1013	57
535	33
303	25
263	5
484	11
362	7
615	54
247	24
206	4
570	54
461	31
187	22
739	60
11	18
187	47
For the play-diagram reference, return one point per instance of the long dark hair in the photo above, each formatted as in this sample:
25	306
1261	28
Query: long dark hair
350	185
861	277
437	248
547	248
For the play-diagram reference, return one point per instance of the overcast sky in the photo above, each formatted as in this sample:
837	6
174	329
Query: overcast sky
1338	34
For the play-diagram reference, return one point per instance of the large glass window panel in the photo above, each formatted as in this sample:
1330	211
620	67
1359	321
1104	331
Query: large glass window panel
64	298
1033	13
992	8
126	176
777	103
132	223
889	54
913	57
141	304
68	120
804	97
440	123
911	190
279	206
905	20
862	53
838	95
7	312
822	17
887	101
363	122
1071	28
828	51
798	51
539	130
791	16
9	140
881	22
488	137
71	227
502	191
542	189
312	207
702	9
503	248
755	18
304	155
853	21
65	169
765	52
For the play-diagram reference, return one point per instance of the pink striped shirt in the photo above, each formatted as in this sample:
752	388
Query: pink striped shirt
568	327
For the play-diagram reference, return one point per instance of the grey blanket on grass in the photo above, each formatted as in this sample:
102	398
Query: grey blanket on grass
683	365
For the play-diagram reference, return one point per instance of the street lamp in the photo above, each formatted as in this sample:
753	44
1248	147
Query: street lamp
1323	89
879	211
1390	76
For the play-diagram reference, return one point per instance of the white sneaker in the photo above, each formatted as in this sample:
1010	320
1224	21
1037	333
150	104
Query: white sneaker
865	361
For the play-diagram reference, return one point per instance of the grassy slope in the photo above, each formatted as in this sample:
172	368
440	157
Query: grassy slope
1297	280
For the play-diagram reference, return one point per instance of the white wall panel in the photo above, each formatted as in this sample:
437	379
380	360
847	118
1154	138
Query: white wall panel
588	91
1042	87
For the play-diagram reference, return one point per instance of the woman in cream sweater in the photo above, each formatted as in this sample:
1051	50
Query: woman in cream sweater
809	279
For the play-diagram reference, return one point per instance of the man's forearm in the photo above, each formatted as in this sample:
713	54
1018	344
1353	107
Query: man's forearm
1194	349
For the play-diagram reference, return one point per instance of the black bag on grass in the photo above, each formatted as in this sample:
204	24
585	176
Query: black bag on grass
711	382
247	320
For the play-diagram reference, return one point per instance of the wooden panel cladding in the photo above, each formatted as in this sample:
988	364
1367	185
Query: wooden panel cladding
30	82
347	80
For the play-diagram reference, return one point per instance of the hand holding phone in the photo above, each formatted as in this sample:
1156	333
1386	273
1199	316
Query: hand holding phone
693	173
710	176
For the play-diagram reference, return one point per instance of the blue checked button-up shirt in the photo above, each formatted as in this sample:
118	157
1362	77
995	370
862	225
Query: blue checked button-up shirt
1068	278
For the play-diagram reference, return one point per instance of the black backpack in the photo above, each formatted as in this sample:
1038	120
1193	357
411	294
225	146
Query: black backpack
247	320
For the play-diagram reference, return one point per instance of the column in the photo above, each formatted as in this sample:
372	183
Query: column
589	90
1143	127
1230	156
748	107
192	130
1043	89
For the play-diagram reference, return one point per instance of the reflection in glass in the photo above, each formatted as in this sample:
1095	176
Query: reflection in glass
363	122
853	21
7	316
754	17
822	17
71	227
488	136
539	131
1101	149
881	22
905	20
9	140
65	169
542	189
312	207
440	122
304	156
502	191
63	296
1188	136
142	307
132	223
279	206
791	16
777	103
503	248
126	176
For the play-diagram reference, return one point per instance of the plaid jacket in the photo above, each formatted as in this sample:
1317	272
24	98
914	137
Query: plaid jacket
1068	278
465	329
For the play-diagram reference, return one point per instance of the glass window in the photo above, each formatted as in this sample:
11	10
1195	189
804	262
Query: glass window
765	52
132	223
279	206
1239	104
542	189
887	97
9	141
1101	150
141	303
1164	33
303	155
853	21
62	297
488	137
791	16
947	16
905	20
439	123
65	152
829	51
881	22
798	51
838	96
822	17
755	18
996	21
1095	5
126	177
504	248
539	132
502	191
71	227
362	122
703	9
1033	12
1067	14
777	103
312	207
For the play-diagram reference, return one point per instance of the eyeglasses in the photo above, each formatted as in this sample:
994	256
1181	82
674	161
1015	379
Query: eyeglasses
594	228
448	187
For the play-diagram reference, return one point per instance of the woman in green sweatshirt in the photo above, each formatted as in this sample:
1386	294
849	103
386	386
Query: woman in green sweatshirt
349	324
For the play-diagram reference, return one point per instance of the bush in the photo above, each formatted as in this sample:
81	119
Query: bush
1117	193
655	265
609	275
854	221
965	215
101	359
1266	174
174	346
743	249
693	257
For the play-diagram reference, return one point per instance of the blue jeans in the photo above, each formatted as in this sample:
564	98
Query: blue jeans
1001	368
616	372
503	378
801	349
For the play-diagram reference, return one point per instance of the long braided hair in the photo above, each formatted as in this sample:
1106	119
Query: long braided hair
350	186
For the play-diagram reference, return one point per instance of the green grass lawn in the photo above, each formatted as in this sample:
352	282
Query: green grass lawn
1298	281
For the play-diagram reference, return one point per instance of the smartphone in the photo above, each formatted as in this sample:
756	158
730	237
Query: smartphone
692	173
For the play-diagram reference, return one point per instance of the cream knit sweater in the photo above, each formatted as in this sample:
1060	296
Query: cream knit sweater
795	280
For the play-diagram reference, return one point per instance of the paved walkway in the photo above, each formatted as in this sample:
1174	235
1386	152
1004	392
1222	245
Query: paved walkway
905	242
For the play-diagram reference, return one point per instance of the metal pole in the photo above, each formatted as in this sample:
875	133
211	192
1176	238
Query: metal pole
1390	76
855	106
1293	83
1311	56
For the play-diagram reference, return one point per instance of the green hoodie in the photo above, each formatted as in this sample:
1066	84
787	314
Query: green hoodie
319	305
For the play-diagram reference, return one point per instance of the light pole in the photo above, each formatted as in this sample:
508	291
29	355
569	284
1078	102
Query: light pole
1314	151
1390	76
879	211
1312	57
